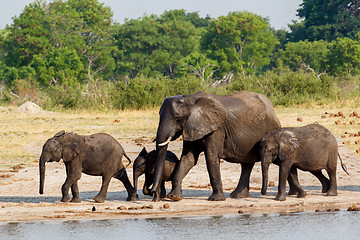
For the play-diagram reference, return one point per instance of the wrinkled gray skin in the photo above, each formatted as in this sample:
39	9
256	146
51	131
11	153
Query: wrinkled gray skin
223	127
145	163
309	148
98	155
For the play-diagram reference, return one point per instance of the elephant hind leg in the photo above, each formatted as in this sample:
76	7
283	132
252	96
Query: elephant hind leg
100	197
242	189
333	185
295	187
325	182
123	177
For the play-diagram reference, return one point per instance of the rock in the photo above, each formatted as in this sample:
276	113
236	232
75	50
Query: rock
29	107
271	184
299	119
122	208
166	205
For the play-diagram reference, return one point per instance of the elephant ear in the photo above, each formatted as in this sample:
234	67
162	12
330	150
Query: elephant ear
71	147
206	115
143	152
288	143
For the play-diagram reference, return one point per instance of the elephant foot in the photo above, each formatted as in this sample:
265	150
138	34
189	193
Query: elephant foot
237	195
293	192
156	199
220	196
75	200
99	199
132	198
301	194
175	196
325	189
280	198
331	193
65	199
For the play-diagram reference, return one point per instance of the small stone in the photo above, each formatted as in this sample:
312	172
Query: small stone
240	212
122	208
271	184
299	119
166	205
93	209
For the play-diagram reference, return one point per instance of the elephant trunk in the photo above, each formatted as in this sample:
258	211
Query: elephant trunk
42	175
265	173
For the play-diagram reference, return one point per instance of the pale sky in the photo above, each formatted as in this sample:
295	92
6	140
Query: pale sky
280	12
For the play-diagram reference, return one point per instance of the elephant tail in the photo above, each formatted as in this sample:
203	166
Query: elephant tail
343	166
127	159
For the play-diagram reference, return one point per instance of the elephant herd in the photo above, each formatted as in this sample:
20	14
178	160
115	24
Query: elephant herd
239	128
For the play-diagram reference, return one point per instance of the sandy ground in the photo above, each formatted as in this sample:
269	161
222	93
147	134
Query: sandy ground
20	200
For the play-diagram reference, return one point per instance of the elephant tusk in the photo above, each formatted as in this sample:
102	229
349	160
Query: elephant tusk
165	143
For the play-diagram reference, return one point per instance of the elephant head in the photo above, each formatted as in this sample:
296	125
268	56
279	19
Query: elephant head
192	116
280	144
61	146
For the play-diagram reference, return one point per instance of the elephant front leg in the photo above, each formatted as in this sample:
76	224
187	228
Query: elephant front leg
189	158
213	166
75	193
73	171
283	175
242	189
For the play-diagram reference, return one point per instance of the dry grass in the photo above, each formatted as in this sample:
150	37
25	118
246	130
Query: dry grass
23	135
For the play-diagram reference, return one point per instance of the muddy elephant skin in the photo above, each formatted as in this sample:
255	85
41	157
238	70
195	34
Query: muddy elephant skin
223	127
98	155
308	148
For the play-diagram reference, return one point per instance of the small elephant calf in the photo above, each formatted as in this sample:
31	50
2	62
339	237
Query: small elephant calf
145	163
98	155
308	148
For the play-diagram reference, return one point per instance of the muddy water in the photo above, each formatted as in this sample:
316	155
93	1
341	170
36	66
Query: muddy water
339	225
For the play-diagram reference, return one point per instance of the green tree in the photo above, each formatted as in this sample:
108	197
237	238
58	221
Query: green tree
64	41
329	19
305	55
240	42
344	57
154	45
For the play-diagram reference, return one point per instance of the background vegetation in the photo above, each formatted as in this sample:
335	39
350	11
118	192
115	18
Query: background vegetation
71	55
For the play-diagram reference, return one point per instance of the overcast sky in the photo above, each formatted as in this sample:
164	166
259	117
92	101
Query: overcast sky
280	12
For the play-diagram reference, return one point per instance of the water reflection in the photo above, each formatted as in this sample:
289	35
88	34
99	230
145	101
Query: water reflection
339	225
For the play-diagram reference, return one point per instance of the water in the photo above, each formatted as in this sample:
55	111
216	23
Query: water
335	225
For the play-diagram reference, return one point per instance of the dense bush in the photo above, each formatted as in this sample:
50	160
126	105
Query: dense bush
283	88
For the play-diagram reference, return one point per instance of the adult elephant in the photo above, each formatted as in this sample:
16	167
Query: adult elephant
223	127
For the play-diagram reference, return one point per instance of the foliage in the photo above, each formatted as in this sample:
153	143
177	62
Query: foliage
305	55
240	42
69	54
329	20
155	45
62	41
344	57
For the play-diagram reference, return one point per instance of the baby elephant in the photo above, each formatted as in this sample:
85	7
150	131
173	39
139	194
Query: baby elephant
145	163
309	148
98	155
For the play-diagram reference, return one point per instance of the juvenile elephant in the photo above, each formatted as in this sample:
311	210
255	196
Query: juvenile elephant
308	148
145	163
98	155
